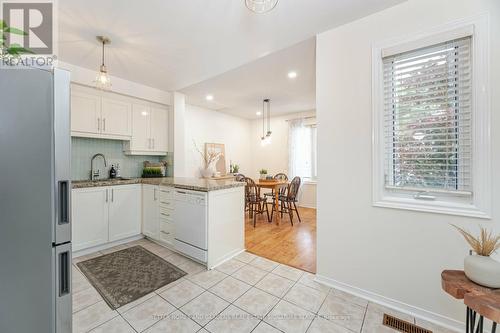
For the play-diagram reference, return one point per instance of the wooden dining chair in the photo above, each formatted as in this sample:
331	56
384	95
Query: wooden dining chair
278	176
256	204
239	177
288	200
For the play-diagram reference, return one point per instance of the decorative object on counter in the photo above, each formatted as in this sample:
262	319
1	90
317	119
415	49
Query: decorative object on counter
481	268
152	172
263	173
112	172
162	165
210	157
118	172
234	168
220	163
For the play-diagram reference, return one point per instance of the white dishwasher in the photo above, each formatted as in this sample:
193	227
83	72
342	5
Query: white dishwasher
190	222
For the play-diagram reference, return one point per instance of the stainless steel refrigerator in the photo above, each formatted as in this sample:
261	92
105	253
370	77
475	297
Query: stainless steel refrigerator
35	212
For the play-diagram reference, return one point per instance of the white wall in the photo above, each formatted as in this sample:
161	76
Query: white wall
204	125
274	157
393	253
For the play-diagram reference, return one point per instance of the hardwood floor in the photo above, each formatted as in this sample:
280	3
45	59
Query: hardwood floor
294	246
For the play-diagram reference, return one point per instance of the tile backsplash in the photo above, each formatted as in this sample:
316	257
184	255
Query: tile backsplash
82	150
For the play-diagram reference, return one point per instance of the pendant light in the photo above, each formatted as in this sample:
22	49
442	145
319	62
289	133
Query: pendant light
103	80
266	110
261	6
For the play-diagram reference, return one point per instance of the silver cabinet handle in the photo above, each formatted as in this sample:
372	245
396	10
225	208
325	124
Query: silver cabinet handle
98	124
154	194
104	124
106	195
164	232
167	215
112	195
153	143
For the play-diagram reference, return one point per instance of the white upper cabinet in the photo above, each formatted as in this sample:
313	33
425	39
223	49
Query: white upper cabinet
85	112
149	130
116	116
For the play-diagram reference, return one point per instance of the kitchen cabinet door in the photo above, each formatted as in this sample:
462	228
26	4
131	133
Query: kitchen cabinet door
150	211
85	113
159	129
141	128
89	217
116	117
124	211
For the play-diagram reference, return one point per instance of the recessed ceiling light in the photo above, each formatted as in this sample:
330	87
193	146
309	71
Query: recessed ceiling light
258	113
209	97
292	75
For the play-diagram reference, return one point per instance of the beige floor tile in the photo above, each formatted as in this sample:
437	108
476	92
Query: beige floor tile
374	318
320	325
264	264
191	267
230	289
204	308
182	293
233	320
147	313
176	259
163	252
275	285
115	325
170	285
257	302
288	272
153	247
85	298
350	297
128	306
79	282
113	249
249	274
308	280
207	279
380	309
289	318
305	297
264	327
246	257
92	316
435	328
176	322
342	312
86	257
230	266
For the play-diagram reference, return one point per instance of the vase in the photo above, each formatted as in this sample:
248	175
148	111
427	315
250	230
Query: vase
263	176
483	270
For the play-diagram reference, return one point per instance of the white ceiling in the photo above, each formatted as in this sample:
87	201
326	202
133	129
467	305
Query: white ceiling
240	91
173	44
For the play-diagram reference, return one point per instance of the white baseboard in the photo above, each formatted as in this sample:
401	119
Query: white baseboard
225	258
105	246
432	317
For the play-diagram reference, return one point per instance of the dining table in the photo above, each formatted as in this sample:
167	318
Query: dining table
275	185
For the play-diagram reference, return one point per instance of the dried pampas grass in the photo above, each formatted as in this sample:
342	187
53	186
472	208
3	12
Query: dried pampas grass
484	245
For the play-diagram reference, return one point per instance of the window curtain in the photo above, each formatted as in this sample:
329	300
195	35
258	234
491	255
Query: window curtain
299	145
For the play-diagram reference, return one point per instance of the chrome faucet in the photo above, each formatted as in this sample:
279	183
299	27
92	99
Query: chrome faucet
94	174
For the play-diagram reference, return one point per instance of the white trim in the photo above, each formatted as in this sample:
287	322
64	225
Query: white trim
480	206
432	317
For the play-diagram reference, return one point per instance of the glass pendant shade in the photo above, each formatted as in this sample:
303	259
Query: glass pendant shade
261	6
102	80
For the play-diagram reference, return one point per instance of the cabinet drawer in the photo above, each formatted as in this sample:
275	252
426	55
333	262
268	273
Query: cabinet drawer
166	231
166	214
166	193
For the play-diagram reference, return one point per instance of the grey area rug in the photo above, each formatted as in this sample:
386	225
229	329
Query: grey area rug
126	275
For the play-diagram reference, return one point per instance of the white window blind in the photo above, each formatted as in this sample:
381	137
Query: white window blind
428	120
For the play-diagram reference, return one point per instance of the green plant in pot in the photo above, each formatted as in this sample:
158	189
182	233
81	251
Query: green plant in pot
480	267
152	172
263	173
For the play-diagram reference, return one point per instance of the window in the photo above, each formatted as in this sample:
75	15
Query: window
302	149
431	147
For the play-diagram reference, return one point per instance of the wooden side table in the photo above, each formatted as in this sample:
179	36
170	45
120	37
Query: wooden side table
479	300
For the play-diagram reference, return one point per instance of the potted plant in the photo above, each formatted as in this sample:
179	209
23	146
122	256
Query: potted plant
152	172
234	168
480	267
263	173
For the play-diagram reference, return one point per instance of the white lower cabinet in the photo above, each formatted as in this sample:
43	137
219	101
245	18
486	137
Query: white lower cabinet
105	214
151	211
89	217
124	212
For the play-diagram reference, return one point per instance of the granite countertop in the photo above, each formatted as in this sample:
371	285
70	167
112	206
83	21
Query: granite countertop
195	184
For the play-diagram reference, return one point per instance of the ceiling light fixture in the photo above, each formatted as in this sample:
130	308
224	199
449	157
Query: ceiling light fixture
103	81
258	113
261	6
266	136
209	97
292	75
